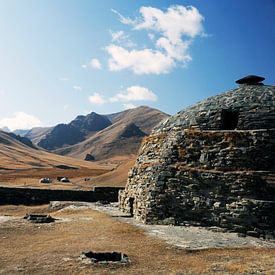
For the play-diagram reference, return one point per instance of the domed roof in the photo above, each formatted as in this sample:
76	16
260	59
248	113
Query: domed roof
247	107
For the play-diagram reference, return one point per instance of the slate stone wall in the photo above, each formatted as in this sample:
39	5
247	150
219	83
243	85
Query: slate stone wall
186	173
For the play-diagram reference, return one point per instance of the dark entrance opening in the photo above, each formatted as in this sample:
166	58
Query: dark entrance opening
131	205
34	218
106	257
229	119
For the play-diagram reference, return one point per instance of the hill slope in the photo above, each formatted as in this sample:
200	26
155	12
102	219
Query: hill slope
121	138
37	133
17	155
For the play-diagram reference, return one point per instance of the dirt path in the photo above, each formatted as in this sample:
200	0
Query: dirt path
187	237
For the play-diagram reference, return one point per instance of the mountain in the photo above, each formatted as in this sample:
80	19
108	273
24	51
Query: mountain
5	129
76	131
37	133
131	130
21	139
122	138
60	135
20	132
90	123
144	117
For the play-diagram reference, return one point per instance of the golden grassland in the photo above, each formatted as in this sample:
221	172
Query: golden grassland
55	248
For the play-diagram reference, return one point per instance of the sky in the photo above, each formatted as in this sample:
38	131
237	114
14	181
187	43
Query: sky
60	59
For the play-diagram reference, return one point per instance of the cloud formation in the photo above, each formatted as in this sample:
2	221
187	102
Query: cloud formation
94	63
172	33
20	120
122	38
127	106
97	99
176	22
145	61
133	93
118	36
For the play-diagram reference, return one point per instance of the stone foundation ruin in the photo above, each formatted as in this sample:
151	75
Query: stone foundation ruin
212	164
36	218
105	257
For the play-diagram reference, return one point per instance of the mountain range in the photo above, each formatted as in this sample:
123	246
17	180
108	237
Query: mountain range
97	137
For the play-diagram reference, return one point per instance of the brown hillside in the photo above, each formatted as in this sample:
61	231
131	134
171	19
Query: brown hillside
112	141
18	160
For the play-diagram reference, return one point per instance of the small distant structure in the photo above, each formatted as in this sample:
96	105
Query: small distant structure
251	80
89	157
45	180
65	179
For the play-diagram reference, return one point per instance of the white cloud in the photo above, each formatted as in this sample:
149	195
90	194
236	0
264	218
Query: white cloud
97	99
122	39
135	93
151	36
173	24
77	88
20	120
65	107
122	19
129	106
172	33
118	35
94	63
178	52
145	61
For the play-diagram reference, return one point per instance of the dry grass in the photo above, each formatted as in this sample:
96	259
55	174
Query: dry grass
111	172
54	248
23	166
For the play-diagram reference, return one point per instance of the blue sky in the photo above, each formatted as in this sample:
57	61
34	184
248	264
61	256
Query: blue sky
59	59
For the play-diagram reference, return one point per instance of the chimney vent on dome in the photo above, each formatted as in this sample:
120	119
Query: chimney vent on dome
251	80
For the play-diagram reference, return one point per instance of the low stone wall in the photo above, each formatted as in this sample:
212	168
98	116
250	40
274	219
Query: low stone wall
31	196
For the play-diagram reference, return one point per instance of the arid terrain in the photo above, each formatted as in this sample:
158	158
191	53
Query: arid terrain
24	166
55	248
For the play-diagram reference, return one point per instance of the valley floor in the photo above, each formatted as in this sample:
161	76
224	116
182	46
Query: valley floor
112	172
55	248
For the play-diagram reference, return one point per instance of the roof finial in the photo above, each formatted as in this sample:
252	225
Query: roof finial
251	80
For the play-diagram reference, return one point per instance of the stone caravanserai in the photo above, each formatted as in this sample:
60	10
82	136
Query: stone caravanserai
212	164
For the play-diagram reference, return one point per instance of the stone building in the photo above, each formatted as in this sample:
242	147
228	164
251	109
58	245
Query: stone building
210	164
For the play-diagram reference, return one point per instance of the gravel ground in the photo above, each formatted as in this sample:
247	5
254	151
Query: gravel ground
186	237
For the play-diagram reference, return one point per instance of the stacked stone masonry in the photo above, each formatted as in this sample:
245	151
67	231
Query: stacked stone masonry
199	167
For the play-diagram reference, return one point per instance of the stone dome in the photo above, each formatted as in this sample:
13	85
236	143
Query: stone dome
211	164
245	108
